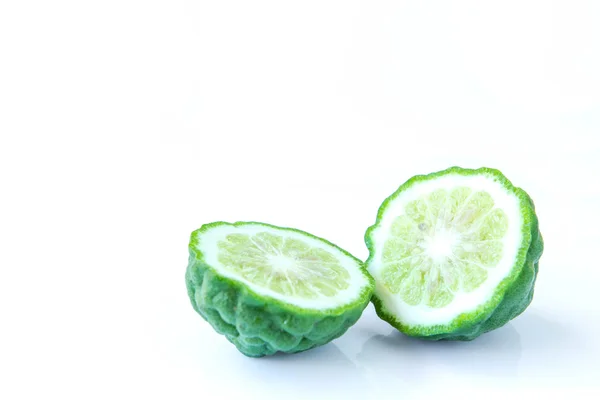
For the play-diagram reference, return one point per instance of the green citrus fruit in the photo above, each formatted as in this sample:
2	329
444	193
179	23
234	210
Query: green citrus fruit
270	289
454	254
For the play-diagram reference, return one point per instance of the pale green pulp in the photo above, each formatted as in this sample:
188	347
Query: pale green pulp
284	265
444	243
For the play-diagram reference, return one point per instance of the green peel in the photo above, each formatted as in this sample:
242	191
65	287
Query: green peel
234	295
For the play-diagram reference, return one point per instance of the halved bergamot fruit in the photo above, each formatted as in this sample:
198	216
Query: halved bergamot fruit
270	289
454	254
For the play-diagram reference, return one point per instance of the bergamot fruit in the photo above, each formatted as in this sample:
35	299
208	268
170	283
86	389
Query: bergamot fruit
270	289
454	254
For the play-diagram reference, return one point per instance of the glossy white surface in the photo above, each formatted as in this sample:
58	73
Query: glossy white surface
125	125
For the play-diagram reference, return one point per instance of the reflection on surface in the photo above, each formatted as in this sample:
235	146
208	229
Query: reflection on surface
496	352
323	372
534	350
399	364
556	350
542	332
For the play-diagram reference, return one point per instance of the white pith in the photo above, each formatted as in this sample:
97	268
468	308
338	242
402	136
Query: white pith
439	246
207	244
463	302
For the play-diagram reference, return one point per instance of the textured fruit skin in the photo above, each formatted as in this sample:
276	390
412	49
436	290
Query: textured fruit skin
259	325
512	296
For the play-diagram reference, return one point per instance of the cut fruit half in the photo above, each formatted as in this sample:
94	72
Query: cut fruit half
269	289
454	254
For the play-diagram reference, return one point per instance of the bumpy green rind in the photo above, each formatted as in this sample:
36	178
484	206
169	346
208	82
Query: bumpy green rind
511	297
258	325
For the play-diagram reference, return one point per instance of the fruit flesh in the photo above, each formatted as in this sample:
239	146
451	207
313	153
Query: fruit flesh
443	244
285	264
288	266
448	250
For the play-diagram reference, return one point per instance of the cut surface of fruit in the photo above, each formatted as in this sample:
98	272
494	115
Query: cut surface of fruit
270	289
285	264
447	246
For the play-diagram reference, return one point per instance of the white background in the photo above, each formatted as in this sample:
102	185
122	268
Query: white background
125	125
